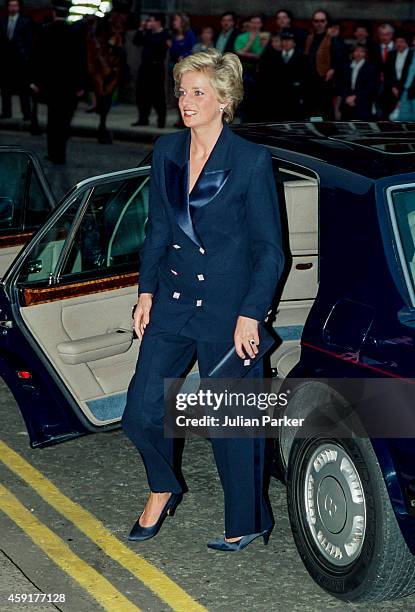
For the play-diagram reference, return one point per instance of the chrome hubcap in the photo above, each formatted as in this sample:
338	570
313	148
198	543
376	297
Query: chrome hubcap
334	504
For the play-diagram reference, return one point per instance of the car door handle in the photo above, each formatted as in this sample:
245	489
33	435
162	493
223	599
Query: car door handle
6	323
304	266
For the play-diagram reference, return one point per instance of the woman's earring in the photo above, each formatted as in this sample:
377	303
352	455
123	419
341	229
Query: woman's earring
221	108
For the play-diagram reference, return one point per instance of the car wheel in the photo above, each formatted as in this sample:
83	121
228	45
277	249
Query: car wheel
343	523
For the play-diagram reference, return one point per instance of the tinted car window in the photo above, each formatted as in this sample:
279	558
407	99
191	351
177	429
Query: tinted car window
45	254
23	201
111	231
14	174
404	209
37	206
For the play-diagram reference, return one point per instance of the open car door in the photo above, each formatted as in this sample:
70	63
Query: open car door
25	201
66	344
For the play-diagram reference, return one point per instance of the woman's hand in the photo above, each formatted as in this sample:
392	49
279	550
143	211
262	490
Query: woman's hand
142	313
246	329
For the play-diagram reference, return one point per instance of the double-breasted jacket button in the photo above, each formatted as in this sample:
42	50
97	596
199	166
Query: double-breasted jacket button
198	302
202	250
177	246
200	277
174	272
176	295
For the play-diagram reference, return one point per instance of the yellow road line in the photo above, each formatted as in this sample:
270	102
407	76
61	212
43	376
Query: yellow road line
153	578
60	553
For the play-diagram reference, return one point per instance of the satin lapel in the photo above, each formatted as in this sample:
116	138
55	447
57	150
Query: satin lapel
210	181
177	178
208	185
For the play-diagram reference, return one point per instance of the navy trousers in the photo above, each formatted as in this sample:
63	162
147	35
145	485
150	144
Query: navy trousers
240	461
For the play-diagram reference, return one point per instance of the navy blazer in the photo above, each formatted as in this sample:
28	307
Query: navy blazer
215	254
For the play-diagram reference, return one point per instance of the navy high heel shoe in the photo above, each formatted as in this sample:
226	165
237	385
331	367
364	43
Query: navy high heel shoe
139	533
221	544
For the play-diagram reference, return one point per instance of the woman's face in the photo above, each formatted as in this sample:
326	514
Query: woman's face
198	103
206	36
176	23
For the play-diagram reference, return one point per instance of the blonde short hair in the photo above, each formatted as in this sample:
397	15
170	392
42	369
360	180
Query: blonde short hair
225	72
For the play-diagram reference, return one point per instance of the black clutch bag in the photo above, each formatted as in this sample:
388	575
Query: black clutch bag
132	316
232	366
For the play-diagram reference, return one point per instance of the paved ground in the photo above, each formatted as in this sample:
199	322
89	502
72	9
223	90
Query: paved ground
102	474
67	509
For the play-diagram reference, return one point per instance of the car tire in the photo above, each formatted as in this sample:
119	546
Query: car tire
343	523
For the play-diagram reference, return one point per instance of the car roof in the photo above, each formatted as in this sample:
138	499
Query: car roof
372	149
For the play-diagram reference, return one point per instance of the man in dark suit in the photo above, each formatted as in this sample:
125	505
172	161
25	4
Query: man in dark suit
378	54
226	37
150	88
379	51
396	69
16	32
361	84
281	78
59	75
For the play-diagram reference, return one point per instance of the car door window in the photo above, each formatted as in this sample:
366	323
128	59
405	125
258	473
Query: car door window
12	192
37	205
44	256
24	201
403	217
111	231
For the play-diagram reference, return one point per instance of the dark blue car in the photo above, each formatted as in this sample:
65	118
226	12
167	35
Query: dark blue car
346	311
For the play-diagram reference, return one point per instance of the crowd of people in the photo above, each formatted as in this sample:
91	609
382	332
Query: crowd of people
289	73
57	63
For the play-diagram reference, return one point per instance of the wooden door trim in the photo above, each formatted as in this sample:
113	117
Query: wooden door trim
41	295
9	240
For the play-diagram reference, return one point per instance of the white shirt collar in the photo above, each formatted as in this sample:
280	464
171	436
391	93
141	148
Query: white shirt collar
402	53
288	53
358	64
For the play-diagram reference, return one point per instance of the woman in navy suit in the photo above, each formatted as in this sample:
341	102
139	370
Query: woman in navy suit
210	265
